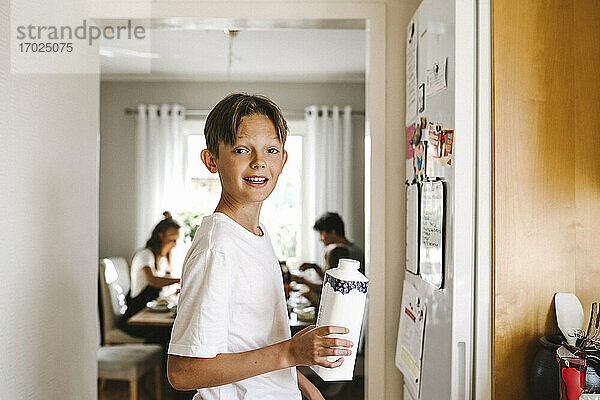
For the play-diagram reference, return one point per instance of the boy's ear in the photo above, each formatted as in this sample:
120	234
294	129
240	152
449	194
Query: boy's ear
285	156
209	160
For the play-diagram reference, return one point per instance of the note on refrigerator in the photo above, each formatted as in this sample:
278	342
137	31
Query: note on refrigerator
409	346
411	71
431	251
412	228
435	76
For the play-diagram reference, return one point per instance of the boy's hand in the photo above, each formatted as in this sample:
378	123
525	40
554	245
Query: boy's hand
311	347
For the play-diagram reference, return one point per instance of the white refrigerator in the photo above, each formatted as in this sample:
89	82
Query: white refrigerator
435	338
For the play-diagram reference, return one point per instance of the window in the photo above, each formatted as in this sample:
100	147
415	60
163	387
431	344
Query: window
281	212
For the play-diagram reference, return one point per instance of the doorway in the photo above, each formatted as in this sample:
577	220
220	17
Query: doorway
372	17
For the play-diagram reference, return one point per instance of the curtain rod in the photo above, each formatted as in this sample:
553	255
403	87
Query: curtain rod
204	113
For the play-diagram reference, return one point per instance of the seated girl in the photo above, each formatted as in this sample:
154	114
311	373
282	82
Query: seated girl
150	268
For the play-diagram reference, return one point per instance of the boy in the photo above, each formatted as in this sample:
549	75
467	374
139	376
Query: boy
231	338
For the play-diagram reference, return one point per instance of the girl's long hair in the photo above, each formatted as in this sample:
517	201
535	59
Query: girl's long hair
155	243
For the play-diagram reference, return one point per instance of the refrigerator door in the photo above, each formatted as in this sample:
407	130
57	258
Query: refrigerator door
445	365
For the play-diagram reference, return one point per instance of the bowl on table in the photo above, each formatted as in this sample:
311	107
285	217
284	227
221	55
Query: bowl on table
159	305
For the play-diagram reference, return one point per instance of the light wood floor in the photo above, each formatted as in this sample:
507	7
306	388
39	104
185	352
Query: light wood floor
116	390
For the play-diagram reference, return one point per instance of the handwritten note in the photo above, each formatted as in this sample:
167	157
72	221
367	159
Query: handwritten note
435	77
432	229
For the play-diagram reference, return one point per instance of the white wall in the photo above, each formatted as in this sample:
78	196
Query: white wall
117	173
48	240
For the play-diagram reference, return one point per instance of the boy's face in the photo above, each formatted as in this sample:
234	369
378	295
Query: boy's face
249	169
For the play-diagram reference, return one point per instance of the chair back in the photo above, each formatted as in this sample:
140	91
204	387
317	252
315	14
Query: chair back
114	286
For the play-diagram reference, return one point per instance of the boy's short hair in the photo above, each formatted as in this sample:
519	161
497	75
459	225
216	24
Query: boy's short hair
224	120
330	221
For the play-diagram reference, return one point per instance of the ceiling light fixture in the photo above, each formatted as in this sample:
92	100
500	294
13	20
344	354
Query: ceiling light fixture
231	34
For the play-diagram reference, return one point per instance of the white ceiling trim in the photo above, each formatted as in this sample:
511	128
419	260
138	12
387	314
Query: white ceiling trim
218	78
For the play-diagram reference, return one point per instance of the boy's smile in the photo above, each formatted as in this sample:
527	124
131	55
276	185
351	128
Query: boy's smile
249	169
258	181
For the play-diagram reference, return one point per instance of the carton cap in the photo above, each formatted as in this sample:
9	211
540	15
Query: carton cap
348	264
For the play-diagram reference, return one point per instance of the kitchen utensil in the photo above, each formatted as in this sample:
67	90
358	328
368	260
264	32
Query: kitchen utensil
584	338
587	338
593	333
592	316
591	325
596	328
575	350
569	315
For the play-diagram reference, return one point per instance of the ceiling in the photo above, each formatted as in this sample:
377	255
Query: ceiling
247	55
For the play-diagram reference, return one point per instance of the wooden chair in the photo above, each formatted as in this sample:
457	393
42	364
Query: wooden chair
129	362
123	357
114	286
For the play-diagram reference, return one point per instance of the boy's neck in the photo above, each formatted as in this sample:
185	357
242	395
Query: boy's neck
246	215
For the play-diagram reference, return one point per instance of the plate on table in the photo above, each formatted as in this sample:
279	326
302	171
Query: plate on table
299	287
308	314
159	306
298	301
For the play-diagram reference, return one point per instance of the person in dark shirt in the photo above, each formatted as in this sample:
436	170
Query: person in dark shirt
331	232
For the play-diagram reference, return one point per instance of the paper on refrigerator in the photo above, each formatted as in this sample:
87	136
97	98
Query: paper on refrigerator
412	36
409	346
431	249
435	80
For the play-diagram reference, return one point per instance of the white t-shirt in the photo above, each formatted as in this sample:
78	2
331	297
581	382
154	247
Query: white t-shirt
231	301
144	258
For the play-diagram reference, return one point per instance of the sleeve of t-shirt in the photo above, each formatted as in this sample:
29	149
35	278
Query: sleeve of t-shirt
202	322
142	258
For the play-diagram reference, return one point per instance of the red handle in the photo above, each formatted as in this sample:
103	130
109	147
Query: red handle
572	378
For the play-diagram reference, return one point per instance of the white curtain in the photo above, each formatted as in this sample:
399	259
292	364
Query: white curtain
328	179
160	165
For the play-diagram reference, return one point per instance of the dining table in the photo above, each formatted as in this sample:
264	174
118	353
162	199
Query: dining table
146	316
149	317
157	316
